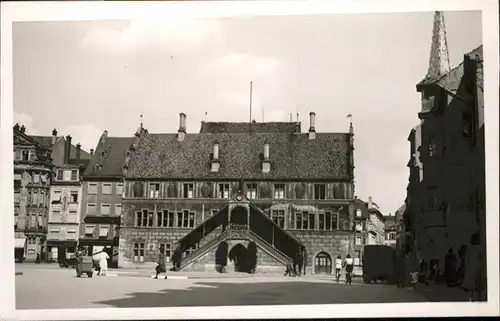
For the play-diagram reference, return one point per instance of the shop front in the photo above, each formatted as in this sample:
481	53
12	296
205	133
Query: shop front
20	248
62	252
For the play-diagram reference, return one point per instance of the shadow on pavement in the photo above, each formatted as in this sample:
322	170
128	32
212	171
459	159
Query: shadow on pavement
269	293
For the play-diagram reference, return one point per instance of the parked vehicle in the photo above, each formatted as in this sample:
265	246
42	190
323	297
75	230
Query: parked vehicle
85	266
379	264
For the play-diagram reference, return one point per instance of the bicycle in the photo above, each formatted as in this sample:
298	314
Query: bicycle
337	275
348	278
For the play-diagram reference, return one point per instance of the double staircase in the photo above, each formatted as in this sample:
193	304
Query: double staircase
269	237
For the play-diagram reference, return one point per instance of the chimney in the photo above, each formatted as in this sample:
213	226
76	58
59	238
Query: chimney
91	152
312	130
78	148
67	149
16	126
266	164
23	129
370	203
54	136
181	133
215	158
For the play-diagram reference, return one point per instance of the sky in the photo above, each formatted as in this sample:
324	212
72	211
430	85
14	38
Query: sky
86	77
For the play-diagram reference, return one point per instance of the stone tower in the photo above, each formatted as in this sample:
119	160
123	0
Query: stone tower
439	60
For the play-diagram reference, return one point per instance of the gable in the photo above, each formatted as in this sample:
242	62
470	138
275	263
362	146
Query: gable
21	139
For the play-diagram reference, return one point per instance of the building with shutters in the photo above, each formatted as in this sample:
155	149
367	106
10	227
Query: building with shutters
239	192
32	178
101	196
446	190
65	203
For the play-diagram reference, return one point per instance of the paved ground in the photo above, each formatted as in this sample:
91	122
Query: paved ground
43	288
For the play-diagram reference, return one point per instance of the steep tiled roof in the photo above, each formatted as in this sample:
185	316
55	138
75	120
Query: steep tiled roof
46	141
112	161
234	127
292	156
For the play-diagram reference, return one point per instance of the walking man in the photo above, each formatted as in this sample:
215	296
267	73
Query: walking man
161	267
103	262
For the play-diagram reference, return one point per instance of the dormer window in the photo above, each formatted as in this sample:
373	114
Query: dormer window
103	153
215	158
60	174
98	167
266	164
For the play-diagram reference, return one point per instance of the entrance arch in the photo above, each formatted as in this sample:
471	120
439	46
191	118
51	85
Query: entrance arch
239	215
323	263
238	255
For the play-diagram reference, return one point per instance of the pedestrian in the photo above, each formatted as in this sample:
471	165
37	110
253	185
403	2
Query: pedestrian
349	267
161	267
289	270
37	258
338	267
103	262
413	269
300	261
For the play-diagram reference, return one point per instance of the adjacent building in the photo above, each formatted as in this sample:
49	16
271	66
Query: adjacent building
446	190
32	176
238	192
391	231
65	203
101	196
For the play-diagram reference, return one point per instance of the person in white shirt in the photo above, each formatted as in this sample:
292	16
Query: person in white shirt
349	266
338	267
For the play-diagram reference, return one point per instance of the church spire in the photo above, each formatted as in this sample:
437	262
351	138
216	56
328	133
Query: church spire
439	61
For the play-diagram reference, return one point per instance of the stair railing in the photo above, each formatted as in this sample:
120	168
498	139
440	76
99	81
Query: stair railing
271	250
203	249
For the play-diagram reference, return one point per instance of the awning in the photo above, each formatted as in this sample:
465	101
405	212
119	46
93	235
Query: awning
19	242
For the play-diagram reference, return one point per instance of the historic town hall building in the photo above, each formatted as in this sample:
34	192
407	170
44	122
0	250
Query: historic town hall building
238	192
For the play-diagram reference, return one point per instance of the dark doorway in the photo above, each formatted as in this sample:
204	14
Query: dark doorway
252	257
323	263
239	216
238	255
221	257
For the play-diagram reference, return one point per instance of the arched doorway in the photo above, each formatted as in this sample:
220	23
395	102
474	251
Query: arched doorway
238	255
239	216
323	263
221	257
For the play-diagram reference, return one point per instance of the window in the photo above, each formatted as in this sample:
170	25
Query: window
185	219
432	146
325	221
359	240
25	155
89	230
56	216
251	191
74	175
92	188
319	191
91	209
190	250
339	191
119	188
168	250
224	190
154	190
359	226
312	221
138	189
334	220
144	218
36	178
302	221
72	217
106	189
60	176
74	197
54	232
392	236
103	231
165	219
67	175
105	209
278	217
357	258
432	196
116	230
188	190
139	252
118	209
279	191
71	235
358	212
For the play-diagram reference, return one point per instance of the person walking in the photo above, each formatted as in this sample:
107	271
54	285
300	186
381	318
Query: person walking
300	261
103	263
161	267
349	267
338	267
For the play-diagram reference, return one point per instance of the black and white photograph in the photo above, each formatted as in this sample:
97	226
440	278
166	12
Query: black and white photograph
243	159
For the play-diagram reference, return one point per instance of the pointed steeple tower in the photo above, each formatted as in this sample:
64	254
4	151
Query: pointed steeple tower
439	61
